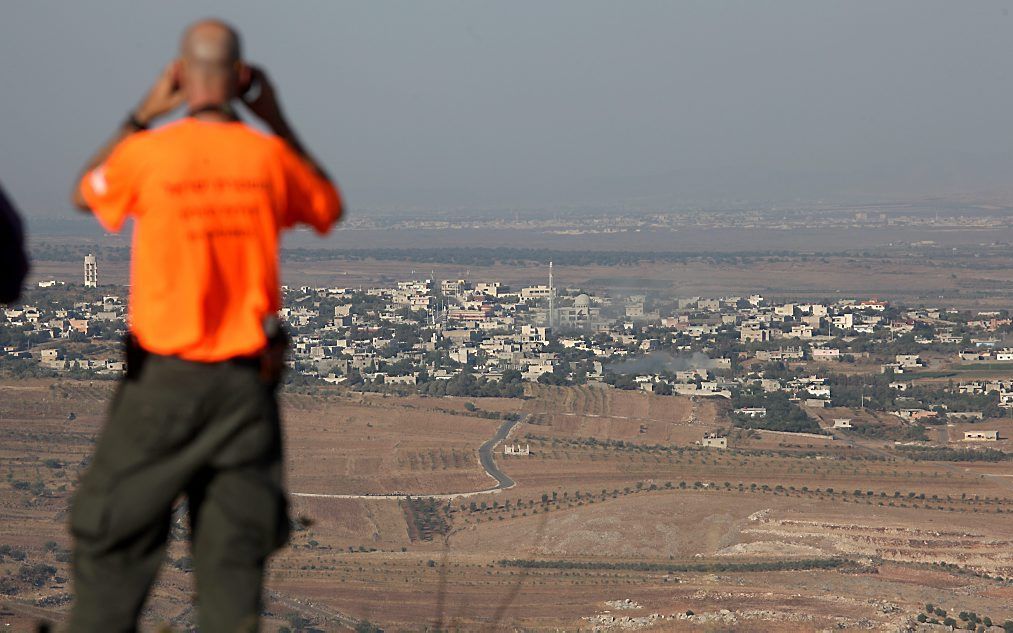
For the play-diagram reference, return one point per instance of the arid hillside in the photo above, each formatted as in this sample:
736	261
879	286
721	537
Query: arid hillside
618	518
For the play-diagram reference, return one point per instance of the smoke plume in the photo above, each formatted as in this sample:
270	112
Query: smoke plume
656	362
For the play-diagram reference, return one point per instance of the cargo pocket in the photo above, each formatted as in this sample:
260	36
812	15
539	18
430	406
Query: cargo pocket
89	513
245	507
152	422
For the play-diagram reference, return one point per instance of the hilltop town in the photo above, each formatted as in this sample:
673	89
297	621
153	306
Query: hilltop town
483	338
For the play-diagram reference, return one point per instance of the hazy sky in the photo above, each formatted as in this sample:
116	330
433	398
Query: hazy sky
527	104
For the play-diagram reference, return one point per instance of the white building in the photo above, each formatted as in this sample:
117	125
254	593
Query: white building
90	271
490	289
826	353
909	360
712	440
453	287
844	321
801	331
752	333
536	292
981	436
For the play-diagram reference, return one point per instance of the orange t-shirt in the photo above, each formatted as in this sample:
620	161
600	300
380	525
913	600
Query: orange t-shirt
208	201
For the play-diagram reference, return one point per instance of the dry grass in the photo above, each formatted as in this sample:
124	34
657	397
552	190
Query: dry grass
357	558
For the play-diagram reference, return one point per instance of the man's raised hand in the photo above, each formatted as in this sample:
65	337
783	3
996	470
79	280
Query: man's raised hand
260	97
164	97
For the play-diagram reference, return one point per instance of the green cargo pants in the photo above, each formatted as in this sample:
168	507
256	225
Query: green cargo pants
206	430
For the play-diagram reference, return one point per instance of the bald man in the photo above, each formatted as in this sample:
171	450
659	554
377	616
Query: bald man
196	413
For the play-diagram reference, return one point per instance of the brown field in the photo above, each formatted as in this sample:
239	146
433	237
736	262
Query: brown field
610	414
656	498
381	445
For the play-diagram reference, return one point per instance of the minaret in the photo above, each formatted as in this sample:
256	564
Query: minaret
434	307
552	296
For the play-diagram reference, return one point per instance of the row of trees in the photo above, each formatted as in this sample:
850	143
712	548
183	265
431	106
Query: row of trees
427	516
464	384
774	565
885	432
944	454
45	251
516	256
510	385
968	620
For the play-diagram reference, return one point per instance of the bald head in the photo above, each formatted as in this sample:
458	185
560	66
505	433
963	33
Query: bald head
210	59
211	41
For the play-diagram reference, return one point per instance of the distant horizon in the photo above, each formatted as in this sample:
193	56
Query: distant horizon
982	203
452	105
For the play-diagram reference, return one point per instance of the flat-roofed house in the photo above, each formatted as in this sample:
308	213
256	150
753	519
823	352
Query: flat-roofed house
981	436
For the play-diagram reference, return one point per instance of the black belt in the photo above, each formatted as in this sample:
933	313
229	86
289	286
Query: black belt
136	355
252	362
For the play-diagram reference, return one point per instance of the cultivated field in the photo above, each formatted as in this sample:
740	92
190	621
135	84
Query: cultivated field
615	503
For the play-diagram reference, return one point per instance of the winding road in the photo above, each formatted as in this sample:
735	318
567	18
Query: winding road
486	456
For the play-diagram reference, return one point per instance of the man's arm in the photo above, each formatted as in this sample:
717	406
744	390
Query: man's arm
99	157
163	97
265	105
